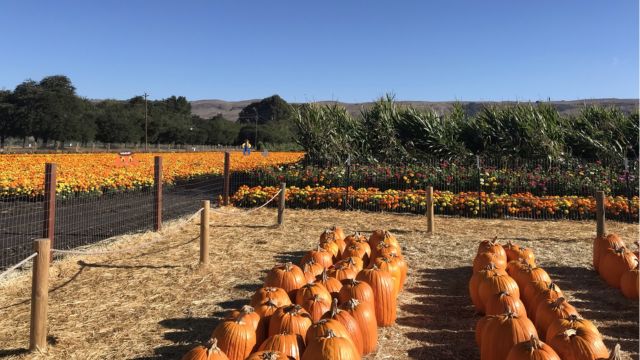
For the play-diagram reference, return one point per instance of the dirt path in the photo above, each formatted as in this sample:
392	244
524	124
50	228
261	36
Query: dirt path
155	303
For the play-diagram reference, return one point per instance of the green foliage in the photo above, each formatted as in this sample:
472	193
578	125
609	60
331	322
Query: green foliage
273	108
382	121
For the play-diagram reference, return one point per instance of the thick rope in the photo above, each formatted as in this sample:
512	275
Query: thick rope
18	264
249	211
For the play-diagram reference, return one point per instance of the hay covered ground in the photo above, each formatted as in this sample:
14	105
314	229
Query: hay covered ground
156	304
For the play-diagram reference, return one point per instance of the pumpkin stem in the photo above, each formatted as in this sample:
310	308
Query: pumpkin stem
288	266
324	275
247	309
213	346
334	308
534	342
330	334
615	354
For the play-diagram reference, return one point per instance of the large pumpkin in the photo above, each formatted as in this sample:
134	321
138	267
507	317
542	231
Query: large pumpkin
365	315
342	272
515	252
319	256
266	310
474	284
310	290
286	276
289	344
349	323
629	283
532	349
532	290
311	270
236	338
388	264
578	344
384	294
503	302
334	234
404	267
316	307
551	292
495	284
292	319
570	322
527	273
614	262
277	296
331	347
482	260
320	328
501	332
492	246
355	289
361	250
209	352
380	236
352	262
252	317
601	244
550	310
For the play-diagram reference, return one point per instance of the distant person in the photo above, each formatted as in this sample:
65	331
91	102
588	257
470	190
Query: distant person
246	147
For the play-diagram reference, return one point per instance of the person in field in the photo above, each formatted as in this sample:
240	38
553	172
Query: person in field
246	147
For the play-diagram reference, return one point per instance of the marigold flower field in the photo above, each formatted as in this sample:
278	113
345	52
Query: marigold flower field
446	202
23	175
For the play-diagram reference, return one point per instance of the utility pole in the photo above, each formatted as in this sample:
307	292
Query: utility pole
146	124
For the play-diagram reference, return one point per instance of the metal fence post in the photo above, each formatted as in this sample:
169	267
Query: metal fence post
157	203
600	214
39	295
225	192
204	233
281	203
430	212
50	184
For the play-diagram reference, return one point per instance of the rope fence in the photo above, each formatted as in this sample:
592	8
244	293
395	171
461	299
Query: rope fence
6	272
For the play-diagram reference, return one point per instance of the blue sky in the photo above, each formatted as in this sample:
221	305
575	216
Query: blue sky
320	50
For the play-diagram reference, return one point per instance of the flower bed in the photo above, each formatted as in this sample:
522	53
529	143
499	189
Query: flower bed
445	202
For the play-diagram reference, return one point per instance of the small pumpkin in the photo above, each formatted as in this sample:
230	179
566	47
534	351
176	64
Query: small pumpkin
355	238
355	289
365	315
286	276
291	345
380	236
209	352
601	244
531	290
341	272
292	319
501	332
385	249
331	347
492	246
277	295
629	283
512	251
483	259
236	338
550	293
333	248
614	262
335	234
352	262
320	328
495	284
528	273
332	284
358	250
384	294
266	310
349	323
311	290
550	310
577	344
310	271
532	349
316	306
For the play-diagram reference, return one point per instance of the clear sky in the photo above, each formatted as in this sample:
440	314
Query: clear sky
348	50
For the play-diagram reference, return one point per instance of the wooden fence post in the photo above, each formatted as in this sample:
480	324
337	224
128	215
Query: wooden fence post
283	189
39	295
50	184
430	212
600	214
157	203
225	191
204	233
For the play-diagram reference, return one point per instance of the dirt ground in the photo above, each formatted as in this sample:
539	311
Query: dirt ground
154	303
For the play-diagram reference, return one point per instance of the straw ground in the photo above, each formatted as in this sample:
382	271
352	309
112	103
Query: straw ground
156	304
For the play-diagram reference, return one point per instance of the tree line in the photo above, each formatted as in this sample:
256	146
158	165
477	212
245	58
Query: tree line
50	112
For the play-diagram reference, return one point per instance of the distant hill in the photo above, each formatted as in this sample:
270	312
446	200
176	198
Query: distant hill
231	109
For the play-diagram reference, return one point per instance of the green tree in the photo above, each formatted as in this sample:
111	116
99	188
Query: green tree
7	118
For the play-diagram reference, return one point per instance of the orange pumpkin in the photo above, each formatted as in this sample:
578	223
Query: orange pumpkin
600	246
502	332
492	246
482	260
277	295
236	338
360	250
332	284
629	283
614	262
252	317
503	302
365	315
333	248
291	345
311	290
292	319
209	352
380	236
570	322
331	347
319	328
577	344
316	307
533	349
550	293
310	271
288	277
528	273
320	256
388	264
352	262
550	310
474	284
341	272
495	284
349	323
354	289
384	294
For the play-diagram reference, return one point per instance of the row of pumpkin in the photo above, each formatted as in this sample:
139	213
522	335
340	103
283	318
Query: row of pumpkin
522	306
328	308
616	264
